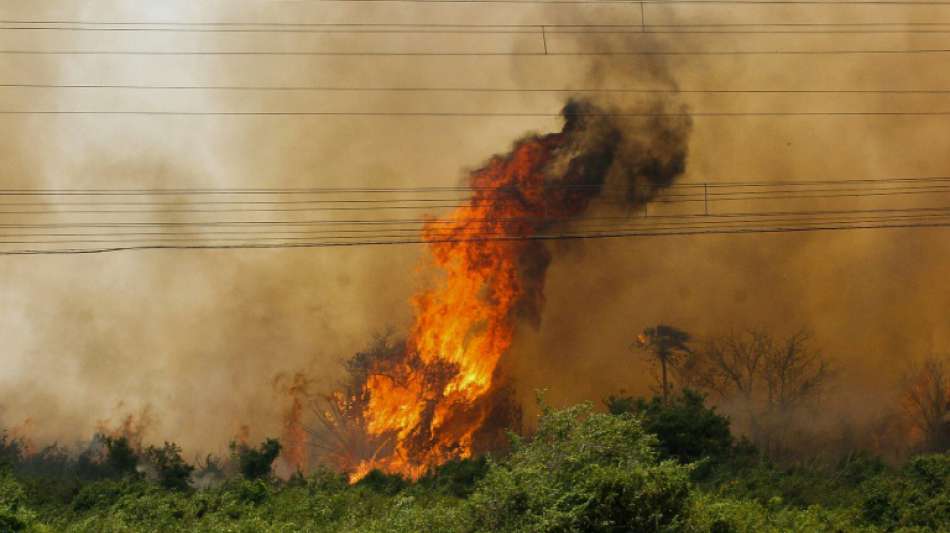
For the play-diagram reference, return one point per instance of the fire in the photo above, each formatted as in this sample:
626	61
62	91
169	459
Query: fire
132	427
442	395
243	434
23	434
437	398
294	438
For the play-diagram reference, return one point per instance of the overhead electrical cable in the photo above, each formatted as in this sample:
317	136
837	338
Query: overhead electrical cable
565	236
512	90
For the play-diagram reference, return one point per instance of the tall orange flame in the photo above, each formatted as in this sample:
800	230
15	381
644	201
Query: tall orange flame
463	326
435	399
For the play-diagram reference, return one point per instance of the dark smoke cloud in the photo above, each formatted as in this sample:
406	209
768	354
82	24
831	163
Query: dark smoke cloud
519	200
597	149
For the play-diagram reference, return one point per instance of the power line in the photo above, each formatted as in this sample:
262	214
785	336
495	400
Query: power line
720	190
378	228
261	234
396	205
717	183
586	224
540	53
475	114
331	88
663	2
605	235
440	236
494	230
489	29
533	27
531	219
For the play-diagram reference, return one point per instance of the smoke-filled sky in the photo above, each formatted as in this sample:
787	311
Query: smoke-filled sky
198	336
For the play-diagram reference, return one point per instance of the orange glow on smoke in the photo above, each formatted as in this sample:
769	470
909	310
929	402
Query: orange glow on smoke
132	427
23	434
294	438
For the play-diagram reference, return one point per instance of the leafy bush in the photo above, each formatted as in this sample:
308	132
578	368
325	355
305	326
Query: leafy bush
120	456
860	466
408	513
11	451
580	472
722	515
256	463
918	497
102	494
456	478
583	471
14	515
253	492
172	471
382	482
687	430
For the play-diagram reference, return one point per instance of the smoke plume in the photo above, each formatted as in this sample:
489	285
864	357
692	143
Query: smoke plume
442	395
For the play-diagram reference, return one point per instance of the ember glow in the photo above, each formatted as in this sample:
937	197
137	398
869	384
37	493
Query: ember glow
443	394
131	426
294	436
23	433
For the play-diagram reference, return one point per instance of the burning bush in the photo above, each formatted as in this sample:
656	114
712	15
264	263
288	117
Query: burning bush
442	394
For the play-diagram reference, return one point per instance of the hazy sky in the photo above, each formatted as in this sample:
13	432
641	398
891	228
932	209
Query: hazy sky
199	335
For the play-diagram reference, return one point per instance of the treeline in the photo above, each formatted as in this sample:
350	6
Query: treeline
790	399
670	462
667	463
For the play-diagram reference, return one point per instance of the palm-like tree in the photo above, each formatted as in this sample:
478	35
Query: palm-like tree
664	343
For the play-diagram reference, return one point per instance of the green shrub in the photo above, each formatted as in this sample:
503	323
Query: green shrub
583	471
172	471
11	451
686	429
101	494
254	492
456	478
256	463
381	482
724	515
859	467
406	513
14	514
120	456
918	496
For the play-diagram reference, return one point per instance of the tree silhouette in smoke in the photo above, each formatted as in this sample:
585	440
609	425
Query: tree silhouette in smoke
665	344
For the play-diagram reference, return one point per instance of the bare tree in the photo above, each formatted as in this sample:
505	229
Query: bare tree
770	380
667	345
926	402
732	364
794	373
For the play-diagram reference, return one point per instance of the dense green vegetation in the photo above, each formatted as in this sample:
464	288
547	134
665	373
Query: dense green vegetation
642	466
